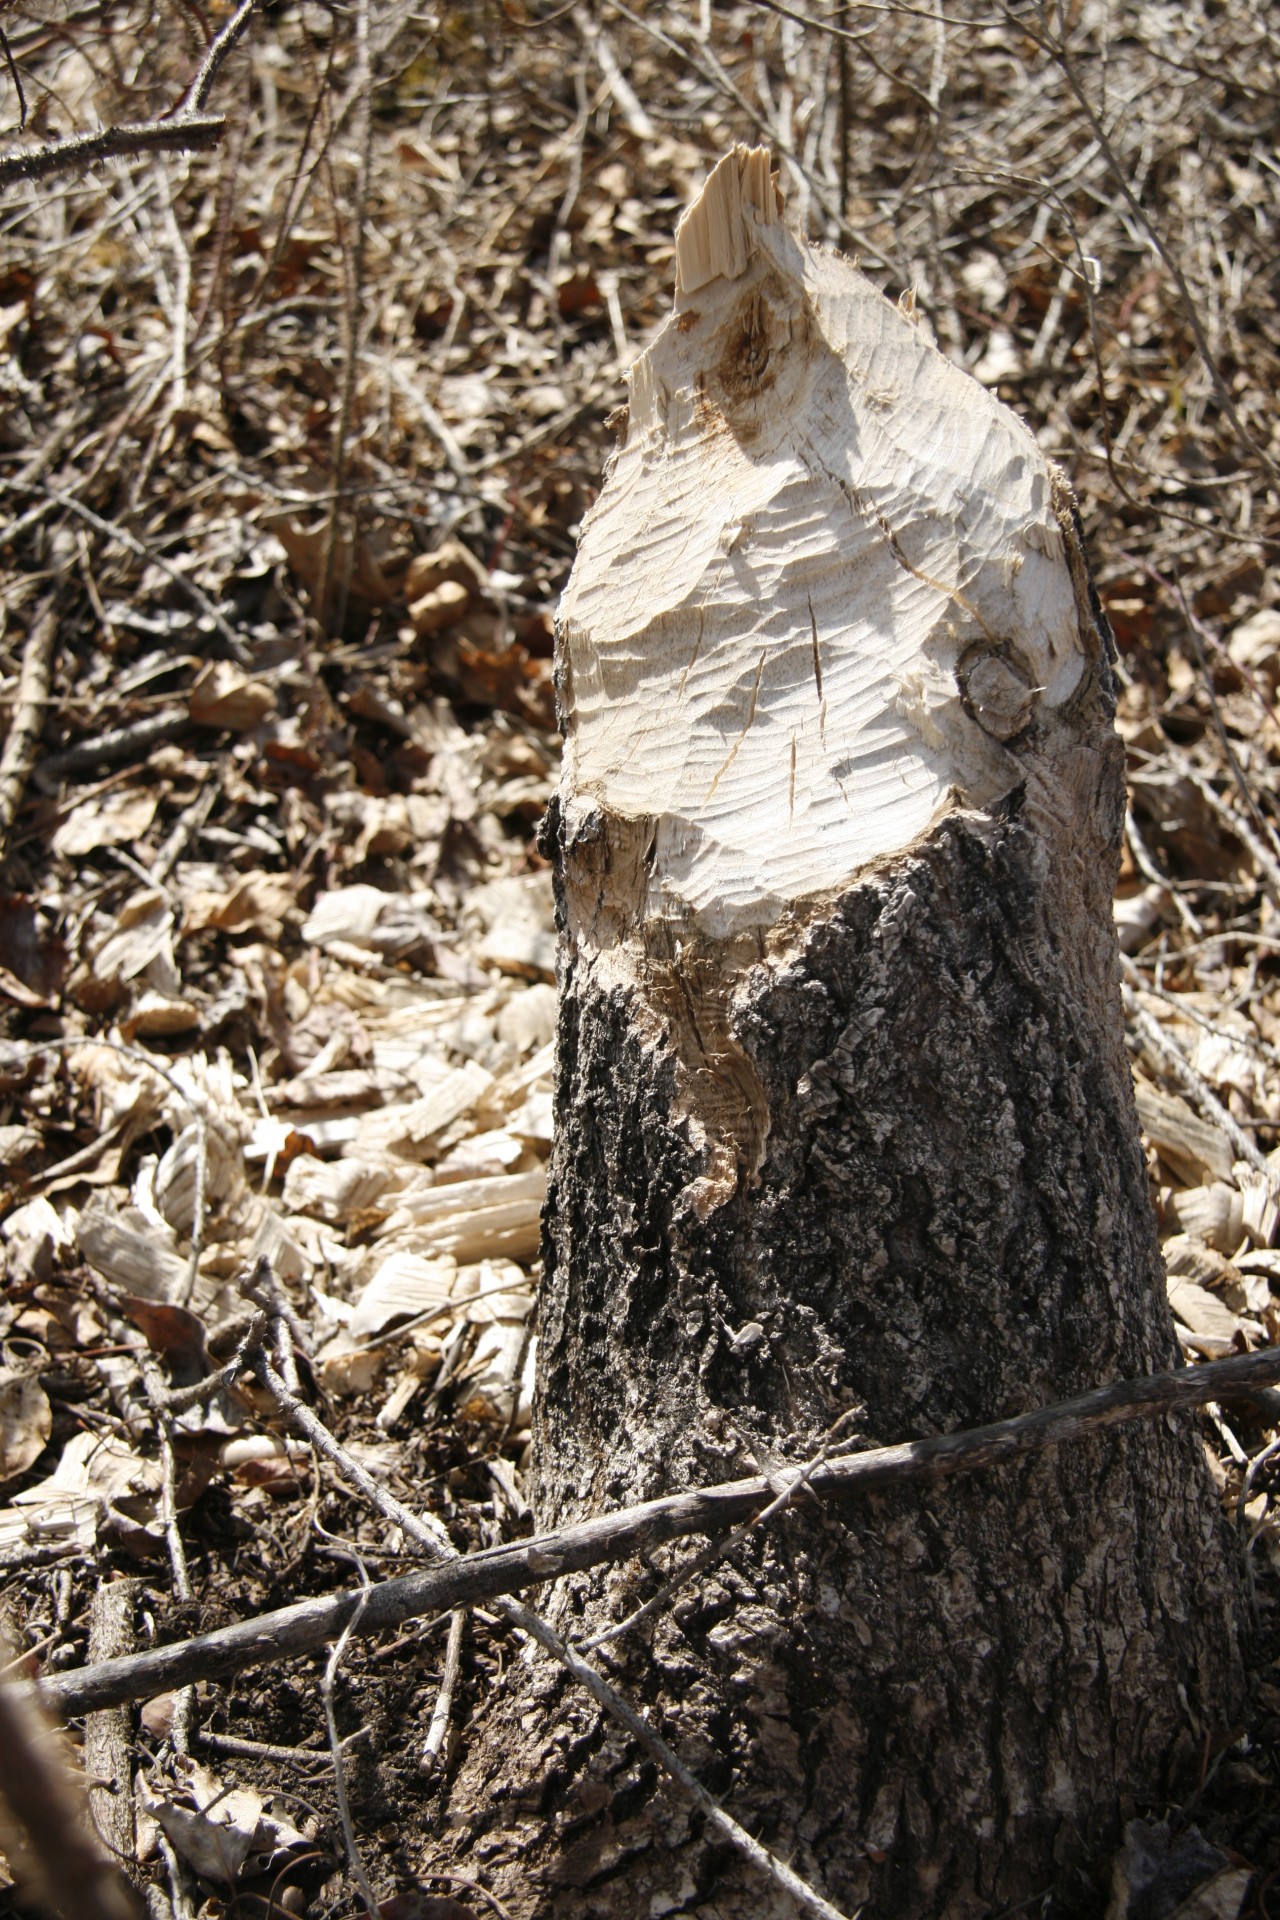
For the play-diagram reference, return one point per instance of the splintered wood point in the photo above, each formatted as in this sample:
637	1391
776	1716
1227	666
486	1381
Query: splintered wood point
825	594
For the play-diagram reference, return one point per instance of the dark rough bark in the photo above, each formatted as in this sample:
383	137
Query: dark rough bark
935	1703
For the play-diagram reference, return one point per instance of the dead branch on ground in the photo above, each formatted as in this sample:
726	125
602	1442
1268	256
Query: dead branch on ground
471	1579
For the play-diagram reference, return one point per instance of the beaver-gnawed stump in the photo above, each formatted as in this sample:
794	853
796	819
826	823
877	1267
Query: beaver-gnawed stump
845	1128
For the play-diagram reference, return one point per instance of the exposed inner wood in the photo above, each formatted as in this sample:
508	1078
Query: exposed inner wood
822	596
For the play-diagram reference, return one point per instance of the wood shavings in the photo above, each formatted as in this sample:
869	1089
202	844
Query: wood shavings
404	1285
1190	1144
128	1250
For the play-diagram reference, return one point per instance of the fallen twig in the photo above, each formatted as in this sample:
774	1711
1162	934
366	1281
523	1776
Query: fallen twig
354	1860
28	719
155	1389
311	1758
331	593
474	1578
132	742
107	1757
199	599
37	1785
718	1549
184	130
434	1742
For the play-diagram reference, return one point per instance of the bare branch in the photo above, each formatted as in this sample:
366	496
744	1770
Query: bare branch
23	738
187	129
537	1629
185	134
477	1577
1057	52
196	97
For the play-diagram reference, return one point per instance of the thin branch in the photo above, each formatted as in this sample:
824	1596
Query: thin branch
187	129
331	606
30	1049
196	594
475	1578
1058	54
23	737
108	1759
119	743
184	1706
893	7
354	1859
434	1742
719	1549
710	70
15	77
197	95
189	135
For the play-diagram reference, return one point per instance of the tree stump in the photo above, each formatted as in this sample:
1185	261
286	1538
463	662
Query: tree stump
845	1128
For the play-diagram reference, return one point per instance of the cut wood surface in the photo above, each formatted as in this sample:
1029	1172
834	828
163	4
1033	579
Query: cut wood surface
821	589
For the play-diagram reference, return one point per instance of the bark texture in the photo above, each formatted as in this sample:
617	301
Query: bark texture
877	1154
939	1706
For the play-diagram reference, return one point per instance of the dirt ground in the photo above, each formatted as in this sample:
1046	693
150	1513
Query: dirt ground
298	432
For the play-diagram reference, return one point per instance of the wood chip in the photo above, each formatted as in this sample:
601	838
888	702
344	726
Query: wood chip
1192	1147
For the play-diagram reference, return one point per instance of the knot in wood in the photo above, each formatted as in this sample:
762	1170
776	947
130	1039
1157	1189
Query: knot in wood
999	694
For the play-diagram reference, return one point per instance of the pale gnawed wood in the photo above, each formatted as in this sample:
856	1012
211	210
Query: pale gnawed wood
822	589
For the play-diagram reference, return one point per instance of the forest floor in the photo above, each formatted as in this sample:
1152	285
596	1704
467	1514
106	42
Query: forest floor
296	440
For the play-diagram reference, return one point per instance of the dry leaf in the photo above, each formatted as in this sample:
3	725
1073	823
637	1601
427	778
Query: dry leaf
1190	1145
131	1251
142	937
1210	1323
1255	645
26	1421
118	819
404	1285
441	607
223	696
33	958
257	903
97	1464
34	1235
224	1833
334	1192
1213	1214
1156	1876
357	571
451	564
364	916
179	1168
345	1367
